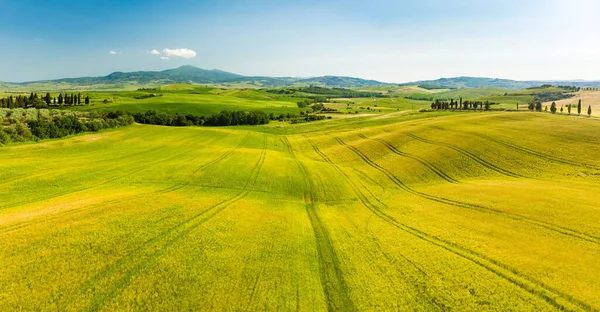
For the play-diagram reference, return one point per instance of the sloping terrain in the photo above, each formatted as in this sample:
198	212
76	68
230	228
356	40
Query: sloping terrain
477	211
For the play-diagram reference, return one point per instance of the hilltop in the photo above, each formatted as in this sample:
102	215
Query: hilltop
196	75
192	74
479	82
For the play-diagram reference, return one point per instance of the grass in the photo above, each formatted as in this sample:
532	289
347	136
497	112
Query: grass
192	99
397	211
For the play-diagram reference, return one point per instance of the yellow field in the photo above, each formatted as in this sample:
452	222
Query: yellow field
477	211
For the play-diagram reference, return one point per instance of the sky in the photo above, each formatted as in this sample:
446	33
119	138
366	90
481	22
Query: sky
392	41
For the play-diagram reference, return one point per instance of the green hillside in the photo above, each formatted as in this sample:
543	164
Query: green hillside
432	211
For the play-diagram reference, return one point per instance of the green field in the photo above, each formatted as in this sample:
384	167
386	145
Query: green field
437	211
191	99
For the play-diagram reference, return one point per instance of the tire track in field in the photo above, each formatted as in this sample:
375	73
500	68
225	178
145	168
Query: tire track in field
526	150
139	168
420	160
150	251
332	278
223	156
468	154
102	161
21	225
548	226
205	167
556	298
538	154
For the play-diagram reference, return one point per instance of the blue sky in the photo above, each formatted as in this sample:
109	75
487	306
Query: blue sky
393	41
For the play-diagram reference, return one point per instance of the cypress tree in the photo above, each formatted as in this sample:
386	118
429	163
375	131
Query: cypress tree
87	100
569	108
79	99
48	98
553	108
579	107
60	99
590	111
561	109
538	106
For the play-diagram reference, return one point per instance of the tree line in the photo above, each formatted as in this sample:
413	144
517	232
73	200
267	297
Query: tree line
224	118
554	108
44	101
47	126
460	105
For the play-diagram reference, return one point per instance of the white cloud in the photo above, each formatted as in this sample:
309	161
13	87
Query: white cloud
164	58
185	53
154	52
112	52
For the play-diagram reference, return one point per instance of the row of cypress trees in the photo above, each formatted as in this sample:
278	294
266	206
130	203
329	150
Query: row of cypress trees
23	101
553	108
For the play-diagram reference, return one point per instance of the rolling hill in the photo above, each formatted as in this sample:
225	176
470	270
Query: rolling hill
192	74
479	82
465	212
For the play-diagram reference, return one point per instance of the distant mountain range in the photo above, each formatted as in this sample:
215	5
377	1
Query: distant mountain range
192	74
479	82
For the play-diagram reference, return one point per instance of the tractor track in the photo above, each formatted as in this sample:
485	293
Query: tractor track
332	278
468	154
136	261
420	160
442	200
556	298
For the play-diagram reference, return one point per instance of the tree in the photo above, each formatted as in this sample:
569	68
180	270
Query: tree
48	99
87	100
579	107
561	109
569	108
590	111
60	99
79	99
538	106
553	108
487	105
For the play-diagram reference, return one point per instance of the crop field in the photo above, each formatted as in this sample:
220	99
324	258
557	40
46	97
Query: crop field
439	211
191	99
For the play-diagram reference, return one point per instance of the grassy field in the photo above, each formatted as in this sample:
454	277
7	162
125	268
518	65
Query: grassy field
440	211
191	99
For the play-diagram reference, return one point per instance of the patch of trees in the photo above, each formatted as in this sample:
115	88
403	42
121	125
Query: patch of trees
308	118
146	96
432	87
44	101
320	93
224	118
461	105
47	125
304	103
565	88
551	96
